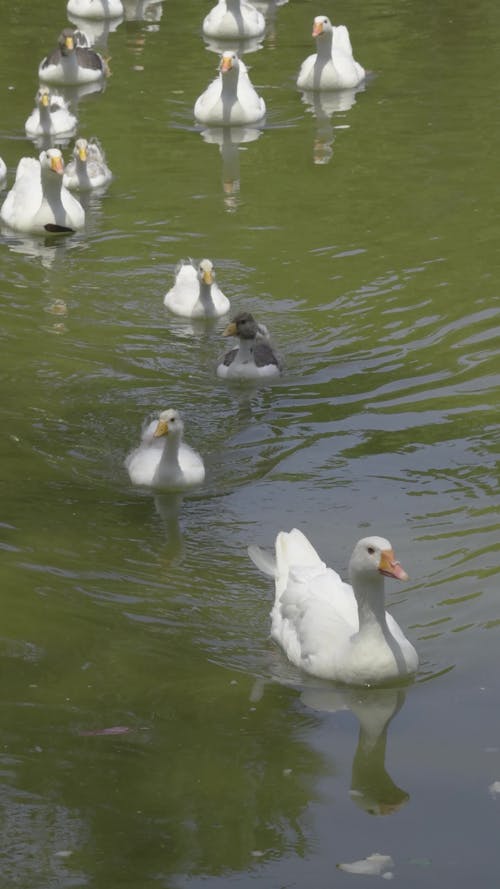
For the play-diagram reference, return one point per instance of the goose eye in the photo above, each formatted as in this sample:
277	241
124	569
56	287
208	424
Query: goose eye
371	550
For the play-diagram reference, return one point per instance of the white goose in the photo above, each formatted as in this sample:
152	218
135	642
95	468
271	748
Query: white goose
95	9
254	358
234	20
162	460
71	62
230	100
329	628
38	202
195	293
3	171
88	169
51	116
333	66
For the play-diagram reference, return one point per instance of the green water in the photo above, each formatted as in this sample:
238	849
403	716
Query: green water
367	242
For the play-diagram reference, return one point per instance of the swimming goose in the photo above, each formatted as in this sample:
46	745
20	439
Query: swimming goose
51	116
88	169
230	100
195	293
234	20
162	460
254	358
333	66
71	62
95	9
329	628
38	202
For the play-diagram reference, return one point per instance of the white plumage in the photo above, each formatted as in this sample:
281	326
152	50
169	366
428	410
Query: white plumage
332	66
163	461
88	169
95	9
51	116
329	628
195	293
38	202
234	20
230	100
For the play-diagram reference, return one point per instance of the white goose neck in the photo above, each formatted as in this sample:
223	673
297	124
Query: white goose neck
324	45
369	593
245	351
206	298
170	455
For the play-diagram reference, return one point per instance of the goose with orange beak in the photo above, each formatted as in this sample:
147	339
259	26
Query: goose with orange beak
38	201
51	116
333	66
88	168
72	62
195	293
230	100
332	629
163	461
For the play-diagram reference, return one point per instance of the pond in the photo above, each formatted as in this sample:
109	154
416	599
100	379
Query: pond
152	733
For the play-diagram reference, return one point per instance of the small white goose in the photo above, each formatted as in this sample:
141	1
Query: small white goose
163	461
195	293
230	100
88	169
38	202
72	62
95	9
332	67
234	20
329	628
254	358
51	116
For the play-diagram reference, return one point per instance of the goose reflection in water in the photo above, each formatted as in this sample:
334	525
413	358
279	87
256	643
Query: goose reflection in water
97	31
229	140
323	105
372	788
144	11
168	507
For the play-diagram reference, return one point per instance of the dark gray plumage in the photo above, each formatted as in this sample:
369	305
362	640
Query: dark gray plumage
255	357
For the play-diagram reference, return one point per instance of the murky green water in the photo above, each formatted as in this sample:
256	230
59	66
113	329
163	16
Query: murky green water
367	241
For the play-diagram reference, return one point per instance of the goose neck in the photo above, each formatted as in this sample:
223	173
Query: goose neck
369	593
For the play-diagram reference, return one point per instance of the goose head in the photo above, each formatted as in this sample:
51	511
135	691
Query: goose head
243	325
66	41
206	272
322	26
169	423
229	65
51	161
371	557
43	97
81	150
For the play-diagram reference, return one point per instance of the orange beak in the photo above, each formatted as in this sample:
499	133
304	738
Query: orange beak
45	99
230	330
226	63
161	429
56	164
390	567
207	277
82	153
70	43
317	29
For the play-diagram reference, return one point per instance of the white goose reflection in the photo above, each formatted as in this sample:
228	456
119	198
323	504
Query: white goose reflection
219	45
372	788
323	105
168	507
97	31
229	140
143	10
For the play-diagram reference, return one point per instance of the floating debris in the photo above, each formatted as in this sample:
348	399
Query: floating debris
375	865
